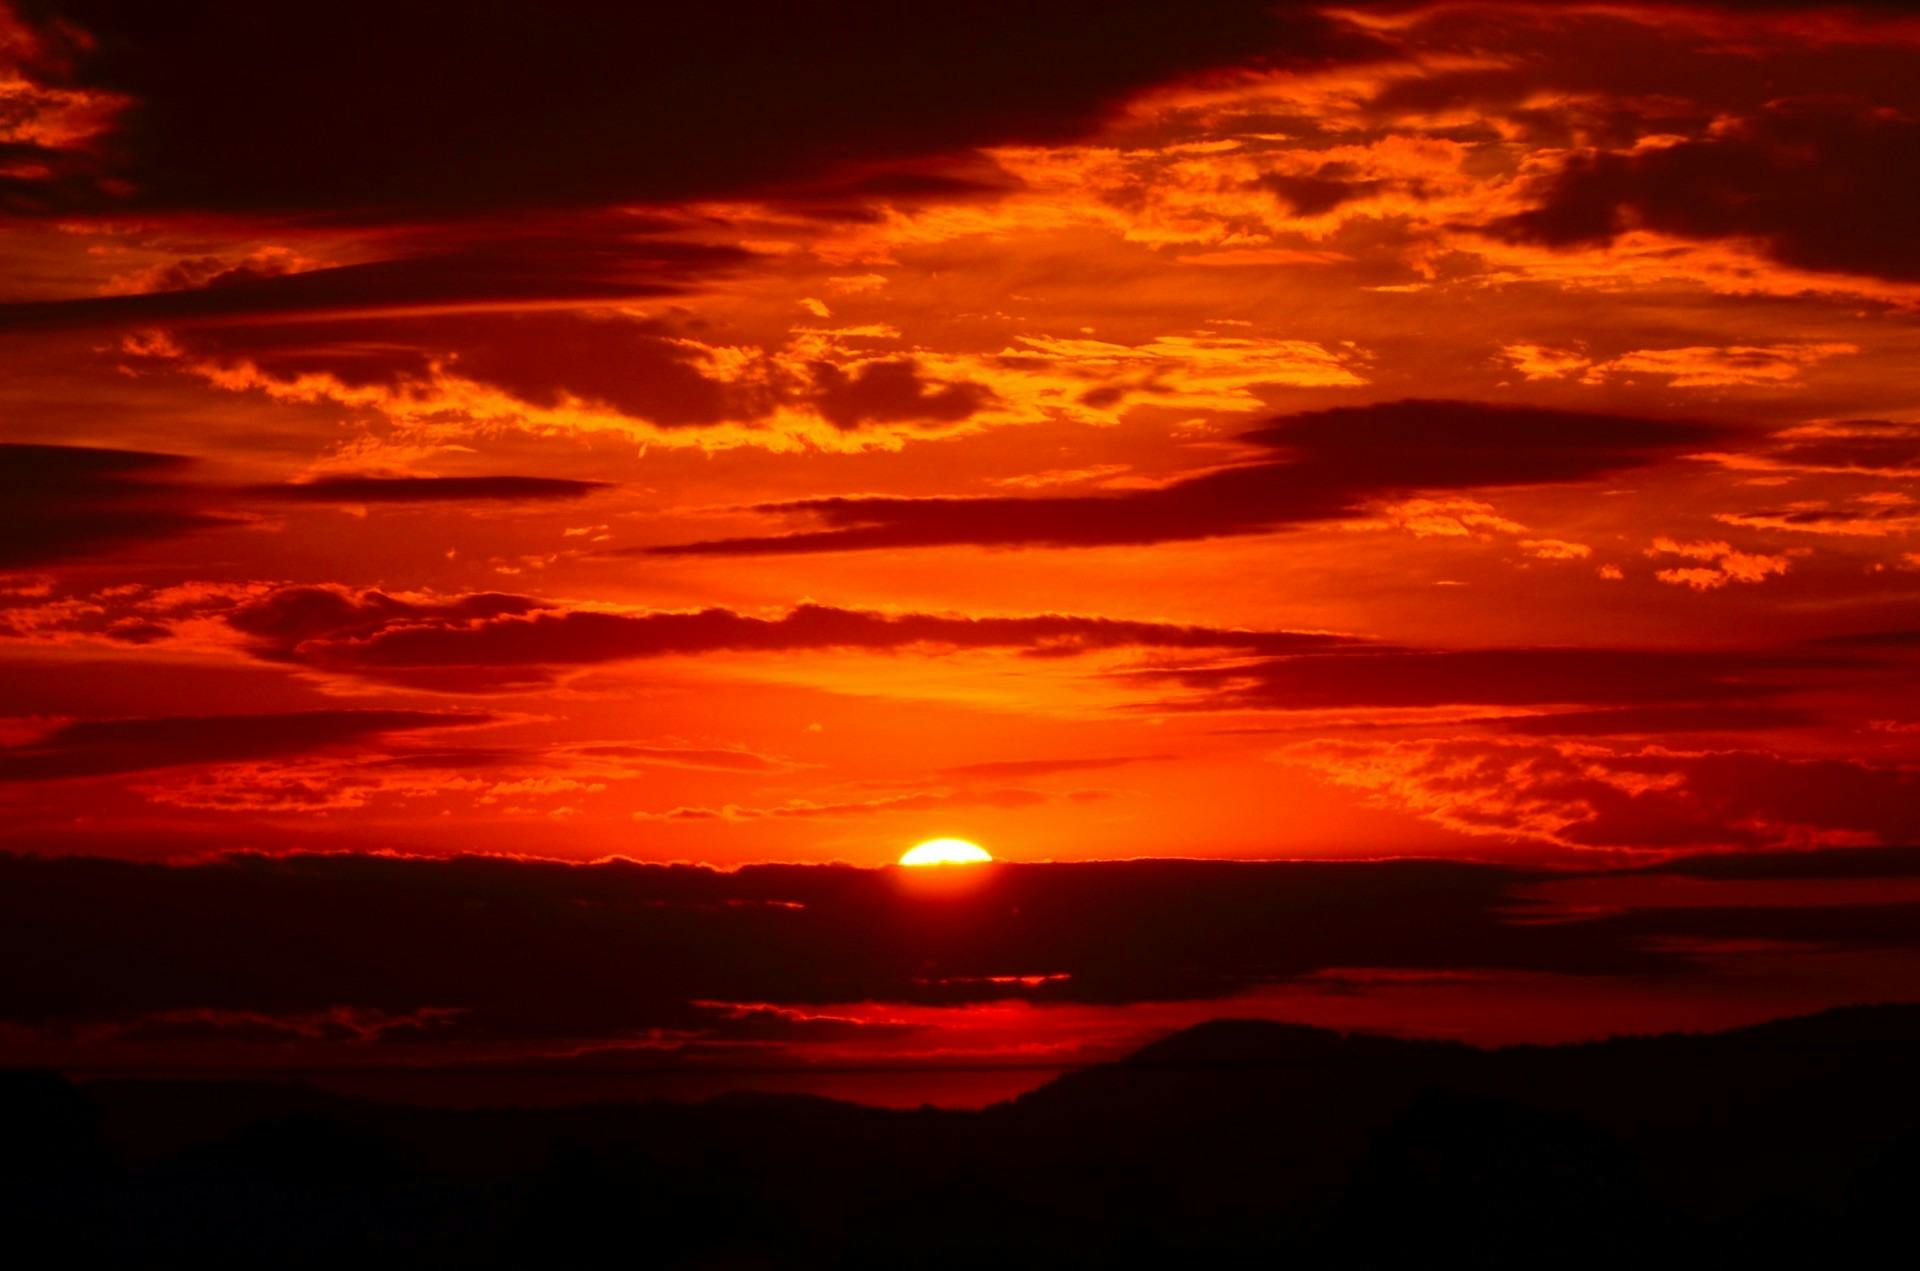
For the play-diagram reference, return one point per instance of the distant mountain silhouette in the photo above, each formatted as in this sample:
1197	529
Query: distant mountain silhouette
1236	1143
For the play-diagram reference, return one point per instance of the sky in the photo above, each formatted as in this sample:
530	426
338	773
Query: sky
587	468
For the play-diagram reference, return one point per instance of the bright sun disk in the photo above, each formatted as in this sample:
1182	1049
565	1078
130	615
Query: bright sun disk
946	852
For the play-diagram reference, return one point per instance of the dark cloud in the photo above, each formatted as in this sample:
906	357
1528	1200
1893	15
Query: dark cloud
1615	74
1652	720
1328	464
102	747
600	266
1854	928
492	640
63	502
1322	190
1849	863
1868	520
1878	447
648	369
1595	677
364	109
1446	91
889	391
556	951
1760	799
429	489
1825	184
478	949
489	638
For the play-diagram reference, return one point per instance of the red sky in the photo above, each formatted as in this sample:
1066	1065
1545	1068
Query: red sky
1469	431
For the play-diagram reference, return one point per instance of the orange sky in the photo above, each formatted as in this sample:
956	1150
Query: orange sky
1469	430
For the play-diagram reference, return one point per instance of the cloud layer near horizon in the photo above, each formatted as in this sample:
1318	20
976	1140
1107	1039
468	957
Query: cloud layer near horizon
513	956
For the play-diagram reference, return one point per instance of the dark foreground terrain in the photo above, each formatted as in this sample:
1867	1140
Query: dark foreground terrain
1233	1144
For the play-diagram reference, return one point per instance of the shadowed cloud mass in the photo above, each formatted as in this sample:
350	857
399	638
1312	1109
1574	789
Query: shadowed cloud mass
237	109
1327	464
105	747
517	953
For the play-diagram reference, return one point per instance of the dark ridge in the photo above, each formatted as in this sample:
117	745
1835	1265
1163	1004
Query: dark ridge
1237	1143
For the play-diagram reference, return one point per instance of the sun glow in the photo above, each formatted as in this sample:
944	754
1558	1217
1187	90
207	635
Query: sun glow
946	852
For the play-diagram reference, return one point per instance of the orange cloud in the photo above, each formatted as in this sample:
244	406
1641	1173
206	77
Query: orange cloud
1725	565
1692	367
1650	798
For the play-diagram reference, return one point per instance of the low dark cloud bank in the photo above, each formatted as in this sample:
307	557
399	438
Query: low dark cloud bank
528	952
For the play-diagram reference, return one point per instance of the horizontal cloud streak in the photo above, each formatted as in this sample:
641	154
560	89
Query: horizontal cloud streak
487	637
103	747
428	489
1329	464
1651	798
547	955
63	502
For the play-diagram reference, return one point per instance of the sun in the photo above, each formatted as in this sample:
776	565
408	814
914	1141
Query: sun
946	852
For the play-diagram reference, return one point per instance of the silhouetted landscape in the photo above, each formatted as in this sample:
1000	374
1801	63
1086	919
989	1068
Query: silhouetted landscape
1236	1143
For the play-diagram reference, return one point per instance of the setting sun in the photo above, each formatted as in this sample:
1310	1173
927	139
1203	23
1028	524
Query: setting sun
946	852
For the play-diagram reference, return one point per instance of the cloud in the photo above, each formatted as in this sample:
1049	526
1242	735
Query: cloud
60	503
105	747
1721	564
542	780
1440	518
347	489
809	809
1825	183
891	390
1320	191
524	949
1555	549
1654	720
601	368
530	958
488	641
521	109
1649	799
492	639
1694	366
1846	447
1385	677
66	502
528	270
1328	464
678	379
1855	862
1881	514
672	755
1024	768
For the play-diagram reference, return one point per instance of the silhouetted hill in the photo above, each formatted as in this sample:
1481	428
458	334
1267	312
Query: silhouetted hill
1237	1143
